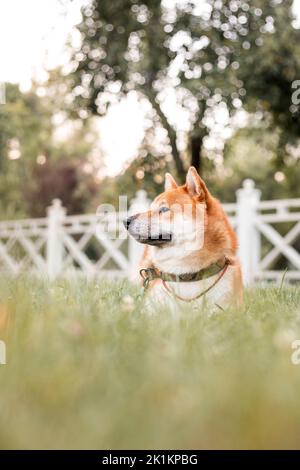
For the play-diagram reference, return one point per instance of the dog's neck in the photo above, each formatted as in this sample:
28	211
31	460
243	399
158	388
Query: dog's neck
178	261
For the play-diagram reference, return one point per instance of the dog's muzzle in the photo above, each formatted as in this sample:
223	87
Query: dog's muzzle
128	221
155	240
159	240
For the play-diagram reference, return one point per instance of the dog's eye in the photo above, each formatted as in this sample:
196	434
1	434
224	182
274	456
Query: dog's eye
163	209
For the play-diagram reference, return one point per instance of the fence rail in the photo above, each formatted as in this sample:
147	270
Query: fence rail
59	243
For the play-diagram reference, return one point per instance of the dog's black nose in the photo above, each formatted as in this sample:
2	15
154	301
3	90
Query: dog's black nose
128	221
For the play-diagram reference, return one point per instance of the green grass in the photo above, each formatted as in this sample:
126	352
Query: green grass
87	368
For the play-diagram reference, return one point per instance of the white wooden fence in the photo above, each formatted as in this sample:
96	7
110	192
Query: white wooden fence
59	244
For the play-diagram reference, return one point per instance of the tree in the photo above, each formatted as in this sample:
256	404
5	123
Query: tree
64	180
25	130
277	66
205	54
34	159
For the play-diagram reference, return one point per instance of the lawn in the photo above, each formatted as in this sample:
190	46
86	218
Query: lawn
88	368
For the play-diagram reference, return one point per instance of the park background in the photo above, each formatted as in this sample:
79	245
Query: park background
106	101
101	98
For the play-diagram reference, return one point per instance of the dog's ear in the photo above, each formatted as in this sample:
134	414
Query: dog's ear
170	183
195	185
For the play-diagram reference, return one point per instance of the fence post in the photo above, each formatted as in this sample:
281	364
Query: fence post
56	213
248	198
135	250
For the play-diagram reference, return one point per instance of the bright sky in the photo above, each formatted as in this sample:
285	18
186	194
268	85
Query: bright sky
33	34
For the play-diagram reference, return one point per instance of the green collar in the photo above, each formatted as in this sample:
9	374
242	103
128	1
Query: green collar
149	274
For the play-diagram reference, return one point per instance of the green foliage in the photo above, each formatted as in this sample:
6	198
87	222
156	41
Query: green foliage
25	118
276	65
80	353
31	152
252	153
25	125
63	180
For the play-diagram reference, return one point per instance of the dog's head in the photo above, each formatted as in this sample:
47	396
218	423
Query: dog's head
177	217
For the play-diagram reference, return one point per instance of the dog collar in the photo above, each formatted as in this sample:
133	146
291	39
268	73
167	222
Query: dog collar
150	274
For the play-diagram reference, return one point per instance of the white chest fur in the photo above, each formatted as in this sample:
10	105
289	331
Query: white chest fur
216	296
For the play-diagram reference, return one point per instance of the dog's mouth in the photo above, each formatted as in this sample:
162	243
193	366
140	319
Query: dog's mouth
159	240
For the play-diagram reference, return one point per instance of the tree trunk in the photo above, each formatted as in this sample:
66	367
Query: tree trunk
196	150
172	138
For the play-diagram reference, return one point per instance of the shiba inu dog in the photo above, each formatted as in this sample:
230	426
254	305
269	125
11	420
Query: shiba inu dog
190	253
